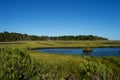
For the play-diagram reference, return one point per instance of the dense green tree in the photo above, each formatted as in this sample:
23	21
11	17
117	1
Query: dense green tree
6	36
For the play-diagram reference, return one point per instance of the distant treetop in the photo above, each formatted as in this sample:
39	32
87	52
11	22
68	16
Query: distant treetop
13	36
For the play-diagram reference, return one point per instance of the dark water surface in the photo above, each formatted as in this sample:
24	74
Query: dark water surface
78	51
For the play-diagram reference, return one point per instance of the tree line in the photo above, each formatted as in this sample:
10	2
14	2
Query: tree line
13	36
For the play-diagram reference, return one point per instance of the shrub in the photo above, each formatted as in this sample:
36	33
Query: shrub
89	70
16	65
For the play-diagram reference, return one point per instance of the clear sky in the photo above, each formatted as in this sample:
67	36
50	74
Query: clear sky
61	17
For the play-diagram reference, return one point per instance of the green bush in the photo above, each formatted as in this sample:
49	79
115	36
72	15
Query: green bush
89	70
16	65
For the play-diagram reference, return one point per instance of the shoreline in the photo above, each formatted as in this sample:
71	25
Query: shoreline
74	47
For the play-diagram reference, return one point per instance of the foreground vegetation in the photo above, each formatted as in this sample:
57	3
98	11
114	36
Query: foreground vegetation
19	62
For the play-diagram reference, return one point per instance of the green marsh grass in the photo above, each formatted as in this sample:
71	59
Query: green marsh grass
18	61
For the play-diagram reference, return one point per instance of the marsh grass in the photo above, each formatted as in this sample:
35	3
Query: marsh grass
44	66
72	64
64	44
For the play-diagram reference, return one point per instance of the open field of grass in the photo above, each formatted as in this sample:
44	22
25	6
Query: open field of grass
54	44
18	61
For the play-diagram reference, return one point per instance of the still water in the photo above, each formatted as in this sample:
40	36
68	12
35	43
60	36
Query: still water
79	51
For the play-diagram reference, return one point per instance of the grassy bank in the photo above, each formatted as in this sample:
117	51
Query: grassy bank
19	63
60	44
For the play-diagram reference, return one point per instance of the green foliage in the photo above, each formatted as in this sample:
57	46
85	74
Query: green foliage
6	36
17	64
92	70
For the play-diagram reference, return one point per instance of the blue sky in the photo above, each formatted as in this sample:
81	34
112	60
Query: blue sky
61	17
